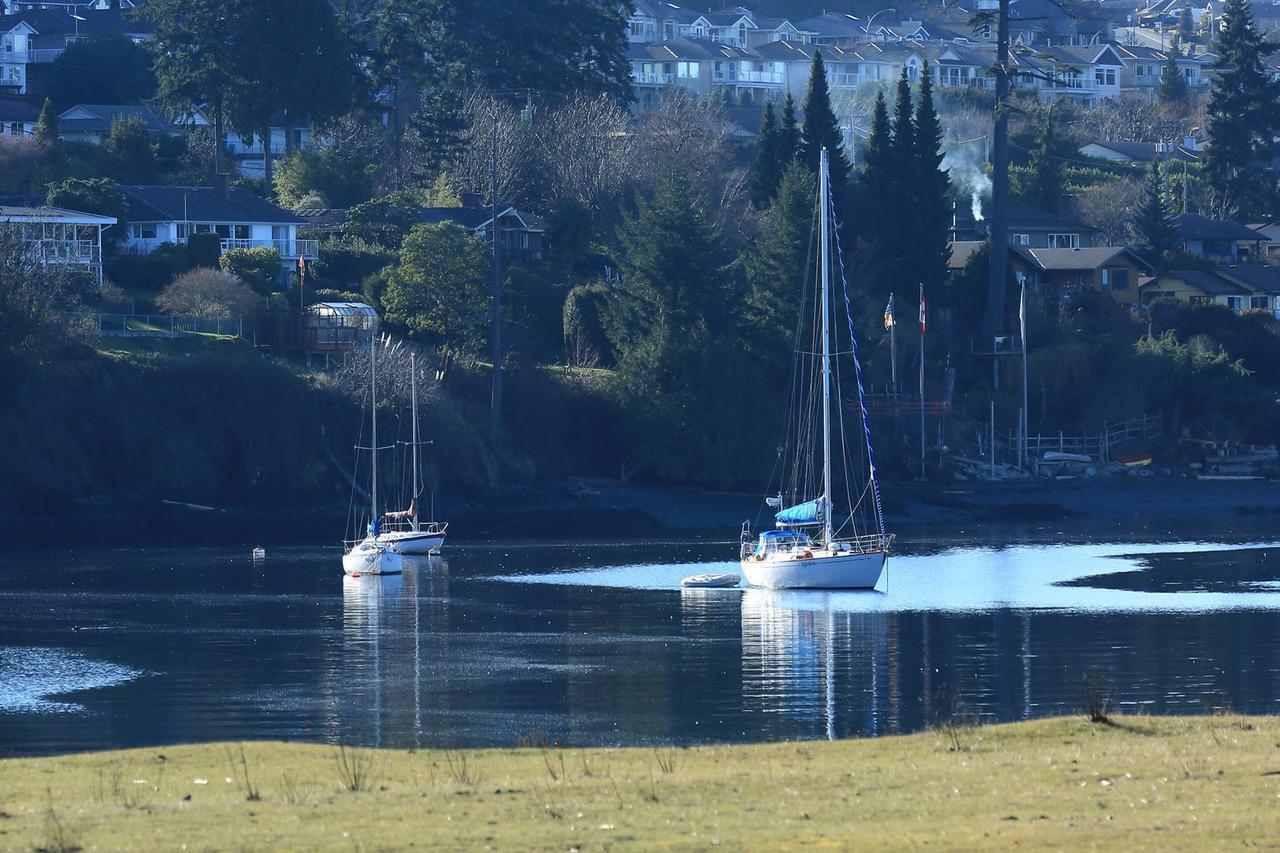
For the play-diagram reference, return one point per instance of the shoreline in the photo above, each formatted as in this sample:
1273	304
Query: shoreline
605	511
1061	782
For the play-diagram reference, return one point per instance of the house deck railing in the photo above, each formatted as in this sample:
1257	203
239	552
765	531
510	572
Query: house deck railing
1098	445
288	249
759	77
56	251
24	57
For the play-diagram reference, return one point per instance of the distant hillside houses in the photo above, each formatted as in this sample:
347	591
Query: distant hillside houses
1059	52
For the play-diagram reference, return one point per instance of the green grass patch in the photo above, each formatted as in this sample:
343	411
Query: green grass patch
1169	783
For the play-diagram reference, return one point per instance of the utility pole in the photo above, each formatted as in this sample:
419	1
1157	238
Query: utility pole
495	333
993	322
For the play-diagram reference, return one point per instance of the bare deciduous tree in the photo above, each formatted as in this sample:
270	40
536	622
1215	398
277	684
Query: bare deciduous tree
486	116
585	152
1109	207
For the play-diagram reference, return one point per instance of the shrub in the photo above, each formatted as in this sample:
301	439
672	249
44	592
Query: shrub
208	293
347	261
154	271
258	267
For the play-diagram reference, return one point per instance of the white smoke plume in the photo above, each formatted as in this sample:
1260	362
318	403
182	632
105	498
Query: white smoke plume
967	164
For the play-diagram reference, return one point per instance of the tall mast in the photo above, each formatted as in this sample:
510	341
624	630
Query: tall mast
413	386
825	201
373	417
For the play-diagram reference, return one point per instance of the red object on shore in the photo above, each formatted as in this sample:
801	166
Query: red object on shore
1134	460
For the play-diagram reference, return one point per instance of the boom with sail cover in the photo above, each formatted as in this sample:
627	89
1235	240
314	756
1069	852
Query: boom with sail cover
809	512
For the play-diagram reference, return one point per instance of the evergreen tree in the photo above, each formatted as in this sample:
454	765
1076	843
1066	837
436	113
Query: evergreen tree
680	376
1173	92
822	129
777	268
900	205
1046	184
876	187
769	164
46	131
932	214
904	135
1242	106
1186	28
1155	224
789	131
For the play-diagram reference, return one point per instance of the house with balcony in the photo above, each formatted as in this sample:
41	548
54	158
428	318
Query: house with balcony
54	235
1144	67
32	39
1084	75
241	220
835	29
1060	276
1035	228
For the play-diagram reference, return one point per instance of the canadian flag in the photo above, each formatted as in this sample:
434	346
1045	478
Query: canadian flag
923	312
302	269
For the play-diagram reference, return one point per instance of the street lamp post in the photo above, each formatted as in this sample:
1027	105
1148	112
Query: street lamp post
867	27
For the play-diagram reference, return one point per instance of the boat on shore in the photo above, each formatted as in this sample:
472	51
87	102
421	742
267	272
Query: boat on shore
808	550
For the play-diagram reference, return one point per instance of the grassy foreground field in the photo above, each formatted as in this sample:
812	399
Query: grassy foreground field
1167	783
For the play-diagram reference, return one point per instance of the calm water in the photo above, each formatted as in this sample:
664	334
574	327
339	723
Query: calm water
598	645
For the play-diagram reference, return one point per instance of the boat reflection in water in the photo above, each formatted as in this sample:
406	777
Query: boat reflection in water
387	665
821	669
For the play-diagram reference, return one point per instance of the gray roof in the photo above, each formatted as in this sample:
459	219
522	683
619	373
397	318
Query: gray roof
1026	217
1080	259
12	110
105	114
1256	276
1209	283
202	204
684	48
1193	226
1146	151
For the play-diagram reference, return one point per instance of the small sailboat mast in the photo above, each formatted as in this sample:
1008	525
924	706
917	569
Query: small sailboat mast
824	200
413	388
373	417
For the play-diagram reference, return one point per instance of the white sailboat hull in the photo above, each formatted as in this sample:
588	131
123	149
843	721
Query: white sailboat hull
371	558
413	543
821	571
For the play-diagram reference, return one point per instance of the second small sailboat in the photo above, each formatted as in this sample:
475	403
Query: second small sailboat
372	555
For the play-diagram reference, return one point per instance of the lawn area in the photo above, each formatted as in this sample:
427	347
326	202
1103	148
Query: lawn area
1167	783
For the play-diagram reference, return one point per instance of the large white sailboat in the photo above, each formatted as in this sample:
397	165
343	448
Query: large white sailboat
372	555
403	531
807	550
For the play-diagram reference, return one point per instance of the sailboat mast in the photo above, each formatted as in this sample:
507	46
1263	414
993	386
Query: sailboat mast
413	388
824	201
373	417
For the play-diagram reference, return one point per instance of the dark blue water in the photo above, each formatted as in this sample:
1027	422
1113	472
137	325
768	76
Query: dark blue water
598	645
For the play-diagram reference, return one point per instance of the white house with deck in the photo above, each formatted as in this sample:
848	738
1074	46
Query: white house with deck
241	219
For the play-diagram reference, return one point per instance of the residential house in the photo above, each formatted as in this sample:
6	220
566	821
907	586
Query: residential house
1197	287
1059	276
691	64
1035	228
30	40
1083	75
1141	152
1270	250
54	235
523	233
92	122
1219	240
1263	282
18	118
1144	68
241	219
835	29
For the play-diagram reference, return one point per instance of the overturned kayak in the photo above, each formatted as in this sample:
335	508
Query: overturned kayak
710	580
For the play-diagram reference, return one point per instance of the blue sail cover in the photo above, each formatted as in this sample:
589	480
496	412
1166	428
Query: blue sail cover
809	512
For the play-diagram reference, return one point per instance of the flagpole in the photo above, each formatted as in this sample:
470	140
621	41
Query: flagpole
1022	331
892	322
922	326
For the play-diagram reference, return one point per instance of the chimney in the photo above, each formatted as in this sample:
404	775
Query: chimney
221	185
471	199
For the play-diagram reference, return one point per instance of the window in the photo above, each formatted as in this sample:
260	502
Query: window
144	232
224	231
1115	278
1064	241
279	232
1199	300
687	70
203	228
1259	303
242	232
1139	70
1105	76
1235	303
1022	239
637	29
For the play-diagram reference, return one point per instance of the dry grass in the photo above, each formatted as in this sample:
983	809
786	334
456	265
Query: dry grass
1168	783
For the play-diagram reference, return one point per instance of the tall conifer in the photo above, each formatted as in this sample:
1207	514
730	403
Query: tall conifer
769	164
1046	185
1242	107
932	215
789	131
1155	225
822	129
1173	91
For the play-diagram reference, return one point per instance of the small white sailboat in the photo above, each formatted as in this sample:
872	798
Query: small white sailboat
806	550
372	555
403	531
